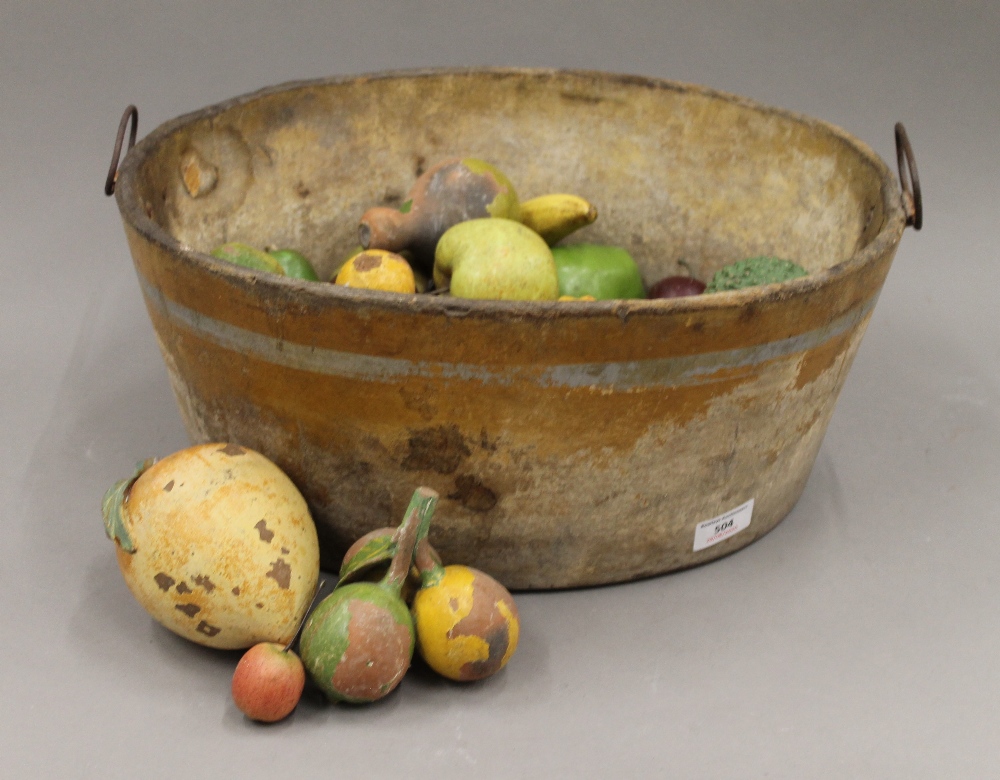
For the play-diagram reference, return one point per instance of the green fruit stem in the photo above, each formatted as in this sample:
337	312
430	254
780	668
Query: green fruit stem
416	524
431	570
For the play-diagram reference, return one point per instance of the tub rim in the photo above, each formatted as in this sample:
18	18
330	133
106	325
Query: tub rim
318	294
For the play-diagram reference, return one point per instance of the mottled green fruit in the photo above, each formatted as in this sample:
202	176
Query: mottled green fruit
754	271
495	258
358	642
248	257
604	272
295	264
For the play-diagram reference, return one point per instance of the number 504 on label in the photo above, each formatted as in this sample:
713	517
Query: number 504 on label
722	527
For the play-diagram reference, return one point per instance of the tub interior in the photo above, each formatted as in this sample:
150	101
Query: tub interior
682	178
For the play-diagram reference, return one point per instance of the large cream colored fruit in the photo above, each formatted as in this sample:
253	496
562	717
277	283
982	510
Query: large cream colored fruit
225	551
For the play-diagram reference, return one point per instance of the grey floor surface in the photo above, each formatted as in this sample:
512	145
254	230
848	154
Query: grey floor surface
859	639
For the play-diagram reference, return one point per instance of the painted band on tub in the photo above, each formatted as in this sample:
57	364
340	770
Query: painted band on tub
622	376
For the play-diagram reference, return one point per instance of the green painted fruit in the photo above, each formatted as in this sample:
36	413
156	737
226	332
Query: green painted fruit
495	259
754	271
248	257
358	642
604	272
295	264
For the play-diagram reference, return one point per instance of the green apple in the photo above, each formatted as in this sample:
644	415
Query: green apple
495	258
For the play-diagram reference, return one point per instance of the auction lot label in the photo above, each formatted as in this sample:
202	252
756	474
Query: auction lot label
722	527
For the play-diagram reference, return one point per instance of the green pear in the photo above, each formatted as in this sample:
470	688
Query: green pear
495	258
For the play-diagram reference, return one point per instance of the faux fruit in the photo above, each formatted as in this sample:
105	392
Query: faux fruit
354	252
294	264
754	271
248	257
268	682
495	258
358	642
556	215
369	558
467	623
676	287
377	269
368	551
452	191
605	272
217	544
374	549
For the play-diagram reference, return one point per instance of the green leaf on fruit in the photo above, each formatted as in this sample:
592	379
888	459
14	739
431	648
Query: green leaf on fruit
111	507
405	208
378	550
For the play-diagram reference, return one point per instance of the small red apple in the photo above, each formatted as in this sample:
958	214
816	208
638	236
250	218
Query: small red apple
676	287
268	682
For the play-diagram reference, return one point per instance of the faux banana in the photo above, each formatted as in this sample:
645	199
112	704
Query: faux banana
557	215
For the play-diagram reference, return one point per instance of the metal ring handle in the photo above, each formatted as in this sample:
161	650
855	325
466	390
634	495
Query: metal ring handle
130	113
909	181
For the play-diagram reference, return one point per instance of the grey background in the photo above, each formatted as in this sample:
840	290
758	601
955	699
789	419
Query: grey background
859	639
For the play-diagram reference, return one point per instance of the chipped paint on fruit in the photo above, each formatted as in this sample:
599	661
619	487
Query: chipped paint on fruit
281	573
467	624
378	654
199	566
357	643
265	533
164	581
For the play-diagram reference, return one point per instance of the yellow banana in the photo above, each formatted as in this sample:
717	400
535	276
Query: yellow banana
557	215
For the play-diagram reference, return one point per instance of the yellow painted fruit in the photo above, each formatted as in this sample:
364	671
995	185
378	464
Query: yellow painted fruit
377	269
467	623
217	544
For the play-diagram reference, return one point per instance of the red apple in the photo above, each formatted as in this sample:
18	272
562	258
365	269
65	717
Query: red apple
268	682
676	287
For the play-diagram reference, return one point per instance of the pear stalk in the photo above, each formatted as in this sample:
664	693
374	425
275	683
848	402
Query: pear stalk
416	524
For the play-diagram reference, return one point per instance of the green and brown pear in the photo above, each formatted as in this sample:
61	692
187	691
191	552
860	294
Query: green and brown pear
359	641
